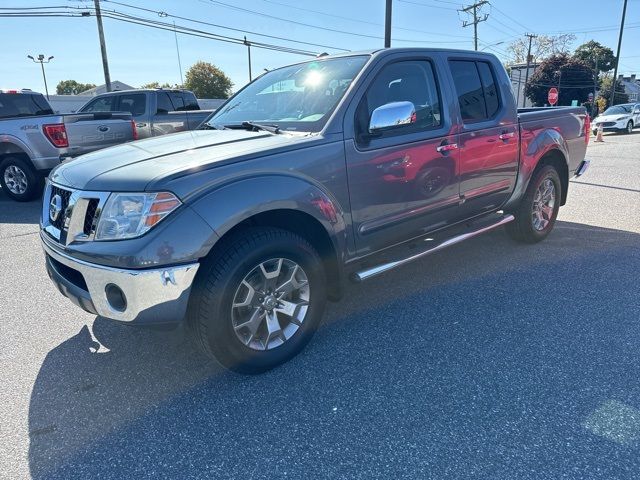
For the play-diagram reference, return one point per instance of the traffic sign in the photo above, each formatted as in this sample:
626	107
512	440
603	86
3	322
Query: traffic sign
552	97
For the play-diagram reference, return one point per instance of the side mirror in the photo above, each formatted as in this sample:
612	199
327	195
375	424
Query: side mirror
392	115
637	110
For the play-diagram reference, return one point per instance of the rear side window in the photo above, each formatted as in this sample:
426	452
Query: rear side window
164	103
132	103
190	101
27	105
476	90
102	104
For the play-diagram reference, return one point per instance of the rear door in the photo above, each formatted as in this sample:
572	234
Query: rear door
401	182
170	116
136	105
488	135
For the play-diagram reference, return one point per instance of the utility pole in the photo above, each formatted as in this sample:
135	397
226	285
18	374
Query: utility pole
42	61
526	76
615	69
103	47
248	44
387	25
476	19
559	84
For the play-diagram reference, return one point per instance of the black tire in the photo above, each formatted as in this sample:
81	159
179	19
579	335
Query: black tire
629	128
522	229
15	169
209	317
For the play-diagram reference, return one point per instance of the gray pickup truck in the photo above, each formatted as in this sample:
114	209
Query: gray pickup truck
337	169
33	140
155	111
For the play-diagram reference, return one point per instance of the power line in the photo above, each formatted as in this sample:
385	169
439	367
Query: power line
476	20
201	22
334	30
357	20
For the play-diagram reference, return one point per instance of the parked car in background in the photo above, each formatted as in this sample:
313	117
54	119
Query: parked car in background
343	167
620	118
33	139
155	111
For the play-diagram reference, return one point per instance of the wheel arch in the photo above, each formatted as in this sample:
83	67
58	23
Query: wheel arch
282	202
10	148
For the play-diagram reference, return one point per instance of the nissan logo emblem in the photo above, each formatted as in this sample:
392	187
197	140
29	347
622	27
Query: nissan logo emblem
103	128
55	207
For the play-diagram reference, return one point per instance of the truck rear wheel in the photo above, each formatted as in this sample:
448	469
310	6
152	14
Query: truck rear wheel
258	300
19	180
536	215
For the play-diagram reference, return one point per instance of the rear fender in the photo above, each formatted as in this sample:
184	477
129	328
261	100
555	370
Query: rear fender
534	148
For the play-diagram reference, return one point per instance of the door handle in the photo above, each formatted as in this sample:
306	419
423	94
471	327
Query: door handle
141	125
447	148
507	136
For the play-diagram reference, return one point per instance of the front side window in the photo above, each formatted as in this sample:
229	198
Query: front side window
177	100
410	81
164	103
299	97
132	103
103	104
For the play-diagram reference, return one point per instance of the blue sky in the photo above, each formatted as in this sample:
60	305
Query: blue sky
139	54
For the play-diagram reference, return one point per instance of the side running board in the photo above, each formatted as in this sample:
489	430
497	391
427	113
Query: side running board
385	267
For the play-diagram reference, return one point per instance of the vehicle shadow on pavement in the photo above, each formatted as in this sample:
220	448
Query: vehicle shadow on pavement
490	360
19	212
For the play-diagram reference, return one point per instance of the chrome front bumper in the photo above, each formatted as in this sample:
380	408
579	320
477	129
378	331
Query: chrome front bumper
141	296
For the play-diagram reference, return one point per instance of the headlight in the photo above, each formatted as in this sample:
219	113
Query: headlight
620	118
129	215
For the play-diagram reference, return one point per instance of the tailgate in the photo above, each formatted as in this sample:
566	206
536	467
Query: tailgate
92	131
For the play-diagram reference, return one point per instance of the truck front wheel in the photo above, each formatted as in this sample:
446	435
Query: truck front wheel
19	180
258	299
538	209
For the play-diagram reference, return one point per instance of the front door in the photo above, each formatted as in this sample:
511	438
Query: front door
403	181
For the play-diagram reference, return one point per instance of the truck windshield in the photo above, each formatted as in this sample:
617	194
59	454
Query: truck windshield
297	98
23	105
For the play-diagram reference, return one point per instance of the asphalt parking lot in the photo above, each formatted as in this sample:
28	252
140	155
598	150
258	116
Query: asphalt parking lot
490	360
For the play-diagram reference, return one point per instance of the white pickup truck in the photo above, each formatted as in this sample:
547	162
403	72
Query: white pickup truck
33	139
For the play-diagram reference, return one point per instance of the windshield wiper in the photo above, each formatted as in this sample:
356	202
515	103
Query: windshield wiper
259	126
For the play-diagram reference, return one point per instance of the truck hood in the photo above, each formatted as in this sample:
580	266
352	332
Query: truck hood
133	166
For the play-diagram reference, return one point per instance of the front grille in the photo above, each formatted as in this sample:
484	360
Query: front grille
89	218
609	124
64	195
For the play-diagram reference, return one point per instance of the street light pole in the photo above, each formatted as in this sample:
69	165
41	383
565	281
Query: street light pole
41	60
387	24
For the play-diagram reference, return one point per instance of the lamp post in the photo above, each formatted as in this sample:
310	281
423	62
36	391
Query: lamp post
41	60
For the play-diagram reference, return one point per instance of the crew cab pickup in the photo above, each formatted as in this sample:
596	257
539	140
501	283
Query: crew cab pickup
155	111
337	169
33	140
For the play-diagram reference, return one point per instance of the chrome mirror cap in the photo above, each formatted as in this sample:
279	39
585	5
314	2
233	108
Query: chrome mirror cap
391	115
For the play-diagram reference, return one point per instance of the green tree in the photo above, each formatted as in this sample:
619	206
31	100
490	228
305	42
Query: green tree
208	81
605	91
593	53
574	77
71	87
156	85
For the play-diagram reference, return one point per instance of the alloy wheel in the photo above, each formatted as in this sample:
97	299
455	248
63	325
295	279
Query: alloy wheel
270	304
15	179
543	204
